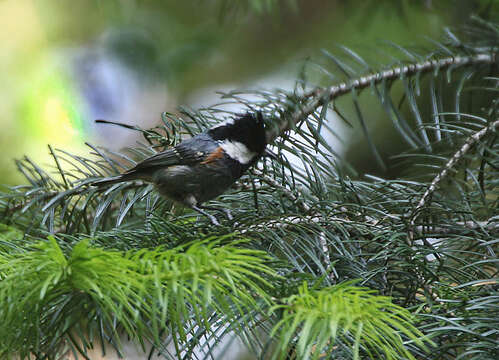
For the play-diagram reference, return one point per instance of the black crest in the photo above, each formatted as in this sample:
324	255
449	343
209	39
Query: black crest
248	129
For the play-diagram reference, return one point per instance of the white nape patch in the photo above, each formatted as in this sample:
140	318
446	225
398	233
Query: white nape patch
229	121
238	151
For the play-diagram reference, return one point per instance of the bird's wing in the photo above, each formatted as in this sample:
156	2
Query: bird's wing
188	152
163	159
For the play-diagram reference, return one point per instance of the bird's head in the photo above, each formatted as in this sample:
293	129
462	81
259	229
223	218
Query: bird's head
242	138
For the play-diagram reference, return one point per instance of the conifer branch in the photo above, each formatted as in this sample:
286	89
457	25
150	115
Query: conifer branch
458	155
165	277
323	96
288	193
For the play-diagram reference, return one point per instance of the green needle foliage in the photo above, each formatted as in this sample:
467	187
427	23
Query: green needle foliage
82	266
354	314
143	293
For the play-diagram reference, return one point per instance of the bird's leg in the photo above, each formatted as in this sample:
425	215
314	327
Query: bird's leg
200	210
225	211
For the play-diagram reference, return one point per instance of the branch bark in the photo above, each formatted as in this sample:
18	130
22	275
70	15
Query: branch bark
322	96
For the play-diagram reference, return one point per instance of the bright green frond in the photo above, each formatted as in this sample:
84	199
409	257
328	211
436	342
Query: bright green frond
312	322
45	295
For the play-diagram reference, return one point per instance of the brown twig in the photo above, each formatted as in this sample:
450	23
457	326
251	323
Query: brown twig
322	96
468	144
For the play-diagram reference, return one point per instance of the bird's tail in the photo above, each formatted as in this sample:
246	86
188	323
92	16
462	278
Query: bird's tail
130	175
109	181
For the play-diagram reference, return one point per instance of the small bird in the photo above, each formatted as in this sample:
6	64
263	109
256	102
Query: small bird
203	167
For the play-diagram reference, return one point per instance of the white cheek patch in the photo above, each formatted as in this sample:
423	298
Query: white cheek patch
238	151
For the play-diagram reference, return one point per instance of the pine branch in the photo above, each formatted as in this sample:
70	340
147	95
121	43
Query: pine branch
323	96
288	193
313	320
468	144
147	292
148	273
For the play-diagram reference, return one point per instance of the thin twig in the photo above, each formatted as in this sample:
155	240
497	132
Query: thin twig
468	225
472	140
325	251
370	224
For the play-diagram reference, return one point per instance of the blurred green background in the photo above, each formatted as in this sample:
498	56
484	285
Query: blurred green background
64	64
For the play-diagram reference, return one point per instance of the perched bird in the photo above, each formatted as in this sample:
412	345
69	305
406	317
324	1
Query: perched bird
203	167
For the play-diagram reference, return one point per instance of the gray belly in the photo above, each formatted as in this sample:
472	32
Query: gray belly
180	183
